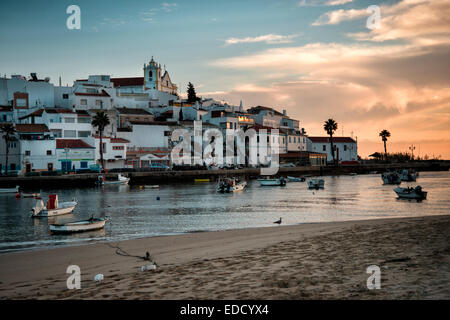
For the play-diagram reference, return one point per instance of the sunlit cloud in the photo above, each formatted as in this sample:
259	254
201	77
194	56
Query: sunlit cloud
267	38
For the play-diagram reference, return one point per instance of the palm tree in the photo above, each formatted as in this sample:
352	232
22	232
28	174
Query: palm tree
330	126
384	135
100	121
9	131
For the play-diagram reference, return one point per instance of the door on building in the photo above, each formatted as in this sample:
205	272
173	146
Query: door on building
66	165
28	167
50	166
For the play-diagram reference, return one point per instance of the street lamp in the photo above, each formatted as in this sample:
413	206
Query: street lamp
412	148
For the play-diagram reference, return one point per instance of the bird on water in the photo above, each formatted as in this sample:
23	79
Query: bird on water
278	221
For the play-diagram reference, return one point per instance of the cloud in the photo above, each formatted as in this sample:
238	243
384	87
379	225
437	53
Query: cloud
337	16
168	7
314	3
267	38
337	2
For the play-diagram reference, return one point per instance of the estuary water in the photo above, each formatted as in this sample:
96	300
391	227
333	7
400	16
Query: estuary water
136	212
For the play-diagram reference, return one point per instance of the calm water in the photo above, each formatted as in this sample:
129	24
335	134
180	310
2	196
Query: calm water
193	207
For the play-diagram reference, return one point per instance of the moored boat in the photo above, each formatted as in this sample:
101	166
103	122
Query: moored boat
316	183
53	207
79	226
408	175
120	180
391	178
411	193
281	181
9	190
30	195
295	179
230	185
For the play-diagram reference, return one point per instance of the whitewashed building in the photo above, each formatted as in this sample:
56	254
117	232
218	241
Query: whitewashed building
345	148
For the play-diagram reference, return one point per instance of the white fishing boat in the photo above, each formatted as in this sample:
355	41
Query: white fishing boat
408	175
411	193
120	180
9	190
295	179
391	178
79	226
316	183
53	207
230	185
281	181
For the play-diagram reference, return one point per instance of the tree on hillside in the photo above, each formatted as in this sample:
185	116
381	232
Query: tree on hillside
192	96
330	126
101	121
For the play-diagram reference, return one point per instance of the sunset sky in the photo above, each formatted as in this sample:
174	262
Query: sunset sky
314	58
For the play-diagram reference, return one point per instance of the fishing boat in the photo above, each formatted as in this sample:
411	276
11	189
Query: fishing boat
120	180
264	182
9	190
316	183
79	226
408	175
391	178
295	179
411	193
230	185
52	207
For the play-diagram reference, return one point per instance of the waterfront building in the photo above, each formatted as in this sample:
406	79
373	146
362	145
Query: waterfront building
75	155
114	151
125	115
345	148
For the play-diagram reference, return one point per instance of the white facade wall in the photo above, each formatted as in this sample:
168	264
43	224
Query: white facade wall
348	151
76	156
147	136
38	156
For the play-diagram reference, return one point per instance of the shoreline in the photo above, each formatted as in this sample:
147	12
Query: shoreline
104	241
226	264
165	177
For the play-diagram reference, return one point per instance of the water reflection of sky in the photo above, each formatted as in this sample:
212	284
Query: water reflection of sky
195	207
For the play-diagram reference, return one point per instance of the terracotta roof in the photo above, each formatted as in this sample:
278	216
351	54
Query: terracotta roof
119	140
102	94
128	82
258	109
72	143
133	111
258	127
31	128
335	139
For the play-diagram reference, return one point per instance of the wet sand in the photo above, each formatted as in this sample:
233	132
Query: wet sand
308	261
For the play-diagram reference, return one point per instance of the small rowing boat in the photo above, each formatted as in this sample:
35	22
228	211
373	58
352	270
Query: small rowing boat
9	190
295	179
30	195
230	185
120	180
316	183
53	207
411	193
266	182
391	178
79	226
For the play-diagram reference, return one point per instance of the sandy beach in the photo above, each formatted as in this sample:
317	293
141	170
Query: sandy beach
308	261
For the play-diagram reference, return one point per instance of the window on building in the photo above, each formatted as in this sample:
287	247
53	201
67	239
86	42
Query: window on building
290	140
65	96
70	133
99	103
27	152
69	120
83	164
57	133
83	102
150	74
84	134
104	147
345	147
12	166
49	152
324	147
84	120
118	147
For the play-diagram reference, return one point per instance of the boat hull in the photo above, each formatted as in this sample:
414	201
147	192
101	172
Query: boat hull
9	190
80	226
316	184
271	182
65	208
412	194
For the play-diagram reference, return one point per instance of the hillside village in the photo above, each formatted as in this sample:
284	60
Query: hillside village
54	130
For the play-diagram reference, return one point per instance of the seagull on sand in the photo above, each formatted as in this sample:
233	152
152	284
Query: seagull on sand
278	222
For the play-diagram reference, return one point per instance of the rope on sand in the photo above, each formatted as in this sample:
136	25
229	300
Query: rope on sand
123	253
